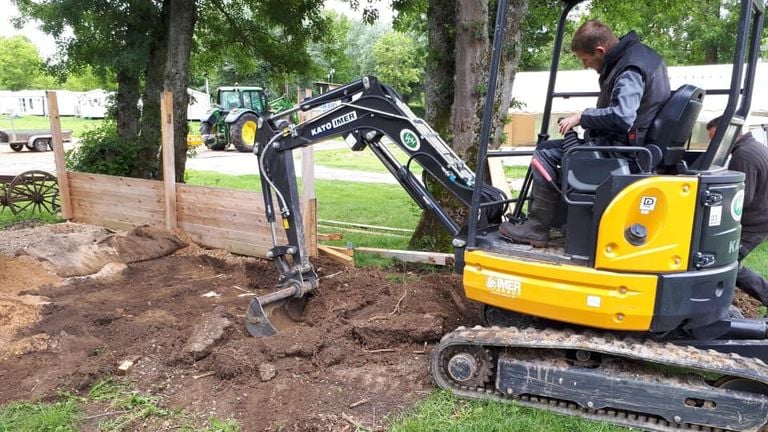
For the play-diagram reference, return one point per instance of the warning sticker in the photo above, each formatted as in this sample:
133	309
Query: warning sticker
647	205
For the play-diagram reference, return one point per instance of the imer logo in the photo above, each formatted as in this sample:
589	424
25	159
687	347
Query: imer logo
333	124
503	286
737	205
410	139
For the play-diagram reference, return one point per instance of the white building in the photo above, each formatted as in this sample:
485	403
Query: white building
199	103
93	104
530	89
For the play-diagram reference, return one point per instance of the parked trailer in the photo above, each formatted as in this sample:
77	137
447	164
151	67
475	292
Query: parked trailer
34	140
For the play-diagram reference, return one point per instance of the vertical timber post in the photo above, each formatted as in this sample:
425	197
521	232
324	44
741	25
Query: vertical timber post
169	168
308	197
58	153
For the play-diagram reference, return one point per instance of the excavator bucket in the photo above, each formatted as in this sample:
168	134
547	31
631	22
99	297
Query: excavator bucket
269	314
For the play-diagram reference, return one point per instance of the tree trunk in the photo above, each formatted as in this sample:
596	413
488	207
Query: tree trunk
471	82
181	22
151	135
510	59
127	105
438	94
471	61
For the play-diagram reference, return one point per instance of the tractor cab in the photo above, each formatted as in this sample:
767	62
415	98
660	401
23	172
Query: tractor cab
252	98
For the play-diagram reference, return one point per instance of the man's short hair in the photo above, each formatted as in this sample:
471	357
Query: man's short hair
713	123
592	34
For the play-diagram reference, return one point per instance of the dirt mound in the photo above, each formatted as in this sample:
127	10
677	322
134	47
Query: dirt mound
358	354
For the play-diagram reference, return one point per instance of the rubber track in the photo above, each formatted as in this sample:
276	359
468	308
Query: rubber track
646	351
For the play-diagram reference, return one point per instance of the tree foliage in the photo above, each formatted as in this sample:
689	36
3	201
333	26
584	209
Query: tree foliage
396	62
21	64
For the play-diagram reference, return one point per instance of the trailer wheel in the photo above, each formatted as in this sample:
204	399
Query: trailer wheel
41	144
243	132
17	147
30	146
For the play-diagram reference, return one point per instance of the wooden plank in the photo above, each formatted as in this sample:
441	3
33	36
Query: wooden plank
58	153
310	226
363	226
202	197
232	241
341	250
111	211
169	166
330	237
113	224
261	230
336	256
435	258
498	178
229	216
148	201
368	232
112	185
214	194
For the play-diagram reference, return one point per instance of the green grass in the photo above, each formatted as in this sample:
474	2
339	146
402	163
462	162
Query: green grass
6	218
125	408
445	413
363	160
40	417
76	124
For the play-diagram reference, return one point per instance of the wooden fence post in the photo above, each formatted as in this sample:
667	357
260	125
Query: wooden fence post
169	166
308	197
58	154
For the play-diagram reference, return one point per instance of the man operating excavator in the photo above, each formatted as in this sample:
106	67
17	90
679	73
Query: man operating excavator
634	84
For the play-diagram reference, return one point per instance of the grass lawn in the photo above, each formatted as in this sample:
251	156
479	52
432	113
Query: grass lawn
126	409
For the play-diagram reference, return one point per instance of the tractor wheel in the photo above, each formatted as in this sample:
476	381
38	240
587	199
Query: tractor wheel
211	129
243	132
17	147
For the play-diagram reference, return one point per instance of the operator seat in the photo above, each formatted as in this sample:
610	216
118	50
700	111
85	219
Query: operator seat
587	199
672	127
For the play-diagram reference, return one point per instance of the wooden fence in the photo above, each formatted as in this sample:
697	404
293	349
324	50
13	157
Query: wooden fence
214	217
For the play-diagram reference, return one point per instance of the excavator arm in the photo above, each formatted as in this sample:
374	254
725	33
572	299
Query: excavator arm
366	112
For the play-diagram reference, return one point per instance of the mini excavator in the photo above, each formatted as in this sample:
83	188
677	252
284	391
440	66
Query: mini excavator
626	319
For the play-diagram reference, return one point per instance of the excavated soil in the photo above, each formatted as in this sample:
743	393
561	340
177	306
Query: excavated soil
359	353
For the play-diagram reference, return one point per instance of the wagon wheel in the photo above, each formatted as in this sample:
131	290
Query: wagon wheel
36	191
4	200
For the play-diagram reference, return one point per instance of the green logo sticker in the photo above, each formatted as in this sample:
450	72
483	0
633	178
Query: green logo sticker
410	139
737	205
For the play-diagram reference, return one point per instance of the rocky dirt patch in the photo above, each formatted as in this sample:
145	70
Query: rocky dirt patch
360	351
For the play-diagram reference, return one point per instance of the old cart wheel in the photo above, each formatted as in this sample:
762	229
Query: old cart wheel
17	147
34	191
4	206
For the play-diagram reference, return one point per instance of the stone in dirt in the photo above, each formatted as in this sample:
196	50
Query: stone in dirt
206	334
267	371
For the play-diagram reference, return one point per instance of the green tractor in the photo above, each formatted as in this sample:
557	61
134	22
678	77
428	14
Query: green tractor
234	118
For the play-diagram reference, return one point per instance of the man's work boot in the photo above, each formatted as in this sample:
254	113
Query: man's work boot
535	230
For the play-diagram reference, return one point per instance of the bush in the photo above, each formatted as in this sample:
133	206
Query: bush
102	151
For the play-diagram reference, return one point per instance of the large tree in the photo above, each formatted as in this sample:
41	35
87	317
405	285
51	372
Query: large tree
146	45
460	39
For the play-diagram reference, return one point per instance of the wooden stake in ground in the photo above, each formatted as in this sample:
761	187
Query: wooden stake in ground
58	154
169	166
